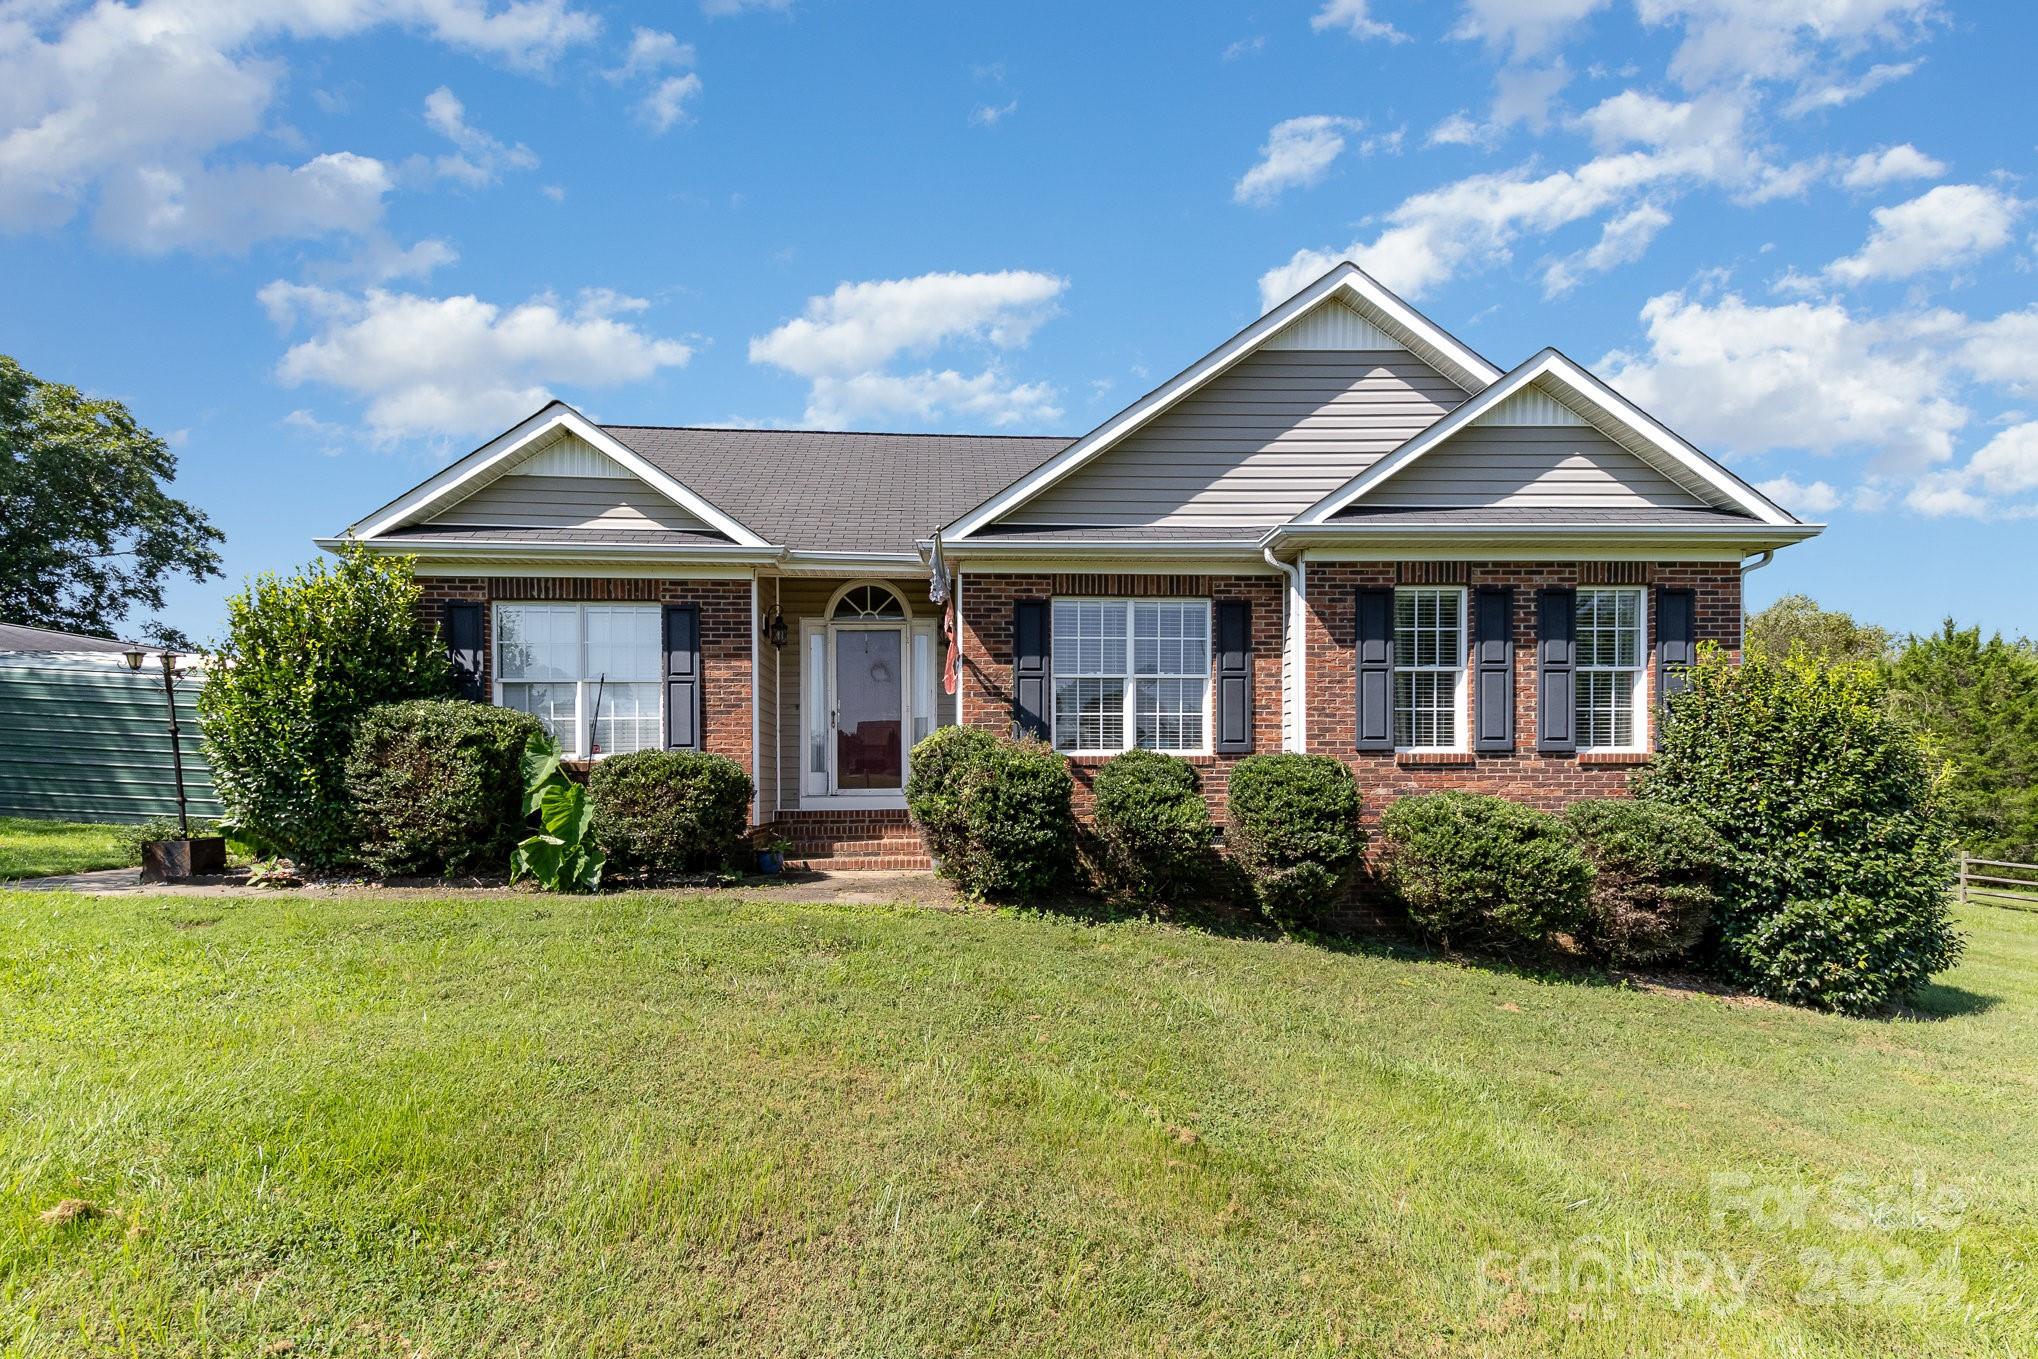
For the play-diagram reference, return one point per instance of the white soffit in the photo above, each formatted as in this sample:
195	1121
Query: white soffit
1333	325
1532	407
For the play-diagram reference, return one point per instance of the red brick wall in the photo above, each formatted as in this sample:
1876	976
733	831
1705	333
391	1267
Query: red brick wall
1525	775
987	655
725	632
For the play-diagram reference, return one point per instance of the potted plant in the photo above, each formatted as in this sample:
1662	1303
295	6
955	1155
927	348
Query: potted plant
770	854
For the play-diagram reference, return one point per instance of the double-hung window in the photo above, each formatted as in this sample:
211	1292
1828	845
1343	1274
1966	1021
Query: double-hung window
589	672
1611	669
1131	672
1429	668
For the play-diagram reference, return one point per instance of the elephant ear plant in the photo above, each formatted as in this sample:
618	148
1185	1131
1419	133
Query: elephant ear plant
562	856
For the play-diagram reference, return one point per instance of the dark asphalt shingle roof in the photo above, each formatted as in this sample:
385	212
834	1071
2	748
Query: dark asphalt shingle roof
436	533
1529	516
21	637
823	491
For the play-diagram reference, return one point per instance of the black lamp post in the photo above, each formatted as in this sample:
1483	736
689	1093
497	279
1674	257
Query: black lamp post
135	656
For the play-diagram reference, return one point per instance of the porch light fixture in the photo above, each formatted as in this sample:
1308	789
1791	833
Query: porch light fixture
135	656
775	630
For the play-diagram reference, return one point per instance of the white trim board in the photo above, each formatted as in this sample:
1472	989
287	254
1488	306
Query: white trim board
528	437
1607	410
1346	283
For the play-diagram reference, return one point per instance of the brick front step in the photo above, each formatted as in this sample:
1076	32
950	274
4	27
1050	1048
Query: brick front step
844	840
887	863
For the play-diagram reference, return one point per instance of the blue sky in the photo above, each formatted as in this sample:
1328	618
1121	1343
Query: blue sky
327	245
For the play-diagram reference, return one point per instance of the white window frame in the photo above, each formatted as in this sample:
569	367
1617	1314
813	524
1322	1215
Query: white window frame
583	685
1129	676
1638	674
1460	688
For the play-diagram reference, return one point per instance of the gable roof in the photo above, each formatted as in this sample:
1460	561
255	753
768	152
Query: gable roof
526	439
1346	284
1600	406
23	637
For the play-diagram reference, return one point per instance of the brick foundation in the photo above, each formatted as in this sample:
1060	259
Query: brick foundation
725	632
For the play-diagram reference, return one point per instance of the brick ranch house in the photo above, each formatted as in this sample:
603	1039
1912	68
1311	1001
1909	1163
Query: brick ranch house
1340	531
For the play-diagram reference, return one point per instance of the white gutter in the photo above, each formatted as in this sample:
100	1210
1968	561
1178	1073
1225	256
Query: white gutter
1768	556
1294	652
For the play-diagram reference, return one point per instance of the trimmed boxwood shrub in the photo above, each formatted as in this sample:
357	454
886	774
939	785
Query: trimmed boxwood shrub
1822	799
1153	826
1472	868
1292	826
1018	826
676	811
437	785
934	788
1655	868
304	657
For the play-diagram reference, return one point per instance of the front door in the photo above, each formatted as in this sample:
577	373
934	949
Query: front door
869	712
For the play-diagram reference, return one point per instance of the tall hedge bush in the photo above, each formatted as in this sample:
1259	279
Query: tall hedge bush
1153	827
676	811
1018	822
1822	799
1292	826
437	785
1655	878
1477	869
304	657
934	788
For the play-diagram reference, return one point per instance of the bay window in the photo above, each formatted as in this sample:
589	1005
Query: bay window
1429	668
1131	672
590	673
1611	669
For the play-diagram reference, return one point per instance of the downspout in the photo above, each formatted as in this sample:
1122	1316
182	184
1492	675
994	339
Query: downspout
1768	556
1291	623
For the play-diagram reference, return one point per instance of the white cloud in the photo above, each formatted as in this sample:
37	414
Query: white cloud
458	366
845	340
718	8
1835	91
990	115
1801	498
666	104
1943	228
652	51
1457	130
144	94
1735	40
231	207
1623	240
1741	378
1354	17
2004	351
1245	47
1525	27
1298	152
481	159
1873	169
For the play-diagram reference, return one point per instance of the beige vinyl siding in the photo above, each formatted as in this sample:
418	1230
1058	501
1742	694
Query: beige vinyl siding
519	501
1256	445
1527	465
805	598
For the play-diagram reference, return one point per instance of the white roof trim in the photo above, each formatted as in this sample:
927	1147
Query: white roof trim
489	459
1608	410
1347	281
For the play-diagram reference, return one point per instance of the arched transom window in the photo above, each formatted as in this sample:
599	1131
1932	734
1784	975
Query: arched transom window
868	601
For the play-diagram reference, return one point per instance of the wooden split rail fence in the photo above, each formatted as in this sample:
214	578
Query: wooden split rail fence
1998	882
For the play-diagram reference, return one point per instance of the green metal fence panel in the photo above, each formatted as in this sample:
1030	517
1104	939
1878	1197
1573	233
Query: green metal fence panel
83	738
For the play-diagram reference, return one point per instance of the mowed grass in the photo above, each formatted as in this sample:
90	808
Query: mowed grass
30	848
657	1125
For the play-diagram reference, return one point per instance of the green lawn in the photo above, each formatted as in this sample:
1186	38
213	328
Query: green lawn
42	849
655	1125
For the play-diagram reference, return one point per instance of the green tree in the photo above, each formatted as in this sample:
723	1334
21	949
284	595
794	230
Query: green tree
87	530
1978	700
1795	625
304	658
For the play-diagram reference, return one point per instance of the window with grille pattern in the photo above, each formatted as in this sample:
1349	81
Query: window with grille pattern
1131	673
1610	669
589	672
1429	668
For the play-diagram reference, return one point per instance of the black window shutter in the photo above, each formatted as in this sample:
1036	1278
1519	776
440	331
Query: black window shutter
462	632
1493	677
1676	643
1375	667
1030	668
1556	671
683	719
1234	627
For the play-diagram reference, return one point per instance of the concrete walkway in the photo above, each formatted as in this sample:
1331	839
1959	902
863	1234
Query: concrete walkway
859	887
